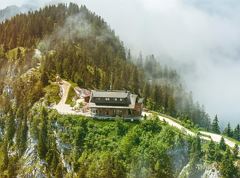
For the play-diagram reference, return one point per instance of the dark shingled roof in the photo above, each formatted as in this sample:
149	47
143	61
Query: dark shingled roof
110	94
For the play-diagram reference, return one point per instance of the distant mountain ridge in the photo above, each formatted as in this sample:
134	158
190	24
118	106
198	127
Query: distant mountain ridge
13	10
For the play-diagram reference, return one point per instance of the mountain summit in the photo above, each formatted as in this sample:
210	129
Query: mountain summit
13	10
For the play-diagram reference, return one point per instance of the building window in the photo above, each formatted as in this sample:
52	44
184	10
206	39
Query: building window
107	99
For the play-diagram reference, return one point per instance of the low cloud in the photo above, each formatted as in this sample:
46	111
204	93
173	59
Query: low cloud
200	38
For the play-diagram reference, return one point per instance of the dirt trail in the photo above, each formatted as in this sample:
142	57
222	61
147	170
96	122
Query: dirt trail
65	86
64	108
209	136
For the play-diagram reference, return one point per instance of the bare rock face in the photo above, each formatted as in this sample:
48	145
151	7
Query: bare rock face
211	172
205	171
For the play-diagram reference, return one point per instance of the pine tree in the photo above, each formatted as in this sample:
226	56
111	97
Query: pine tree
24	130
197	148
140	60
236	150
5	156
146	90
215	126
44	78
228	130
42	136
227	168
19	53
129	56
218	154
171	106
10	126
195	156
211	151
134	81
236	133
222	144
59	171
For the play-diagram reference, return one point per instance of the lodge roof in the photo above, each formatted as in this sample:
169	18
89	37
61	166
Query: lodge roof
110	94
112	99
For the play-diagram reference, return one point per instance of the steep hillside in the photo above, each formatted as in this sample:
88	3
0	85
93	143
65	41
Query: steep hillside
78	45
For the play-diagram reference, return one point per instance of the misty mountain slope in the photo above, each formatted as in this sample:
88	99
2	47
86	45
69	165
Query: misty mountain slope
78	45
8	12
13	10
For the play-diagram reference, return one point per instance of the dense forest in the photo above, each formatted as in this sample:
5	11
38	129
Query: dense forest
79	46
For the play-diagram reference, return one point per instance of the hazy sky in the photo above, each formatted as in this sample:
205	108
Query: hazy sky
201	37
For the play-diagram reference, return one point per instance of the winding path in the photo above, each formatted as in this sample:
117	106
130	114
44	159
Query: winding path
62	107
208	137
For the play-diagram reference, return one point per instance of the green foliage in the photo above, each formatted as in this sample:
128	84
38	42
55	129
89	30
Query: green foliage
43	135
228	169
16	53
228	131
59	171
52	94
71	95
211	150
121	127
235	151
10	127
215	126
196	150
236	133
233	134
21	137
119	148
4	157
222	144
195	157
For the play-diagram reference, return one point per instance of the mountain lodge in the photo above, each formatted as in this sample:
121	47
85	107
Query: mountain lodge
115	103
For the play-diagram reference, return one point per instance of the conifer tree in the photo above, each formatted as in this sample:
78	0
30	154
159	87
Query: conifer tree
59	171
227	168
10	126
228	130
146	90
236	133
236	150
5	156
42	136
211	151
218	154
215	126
197	148
140	60
222	144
